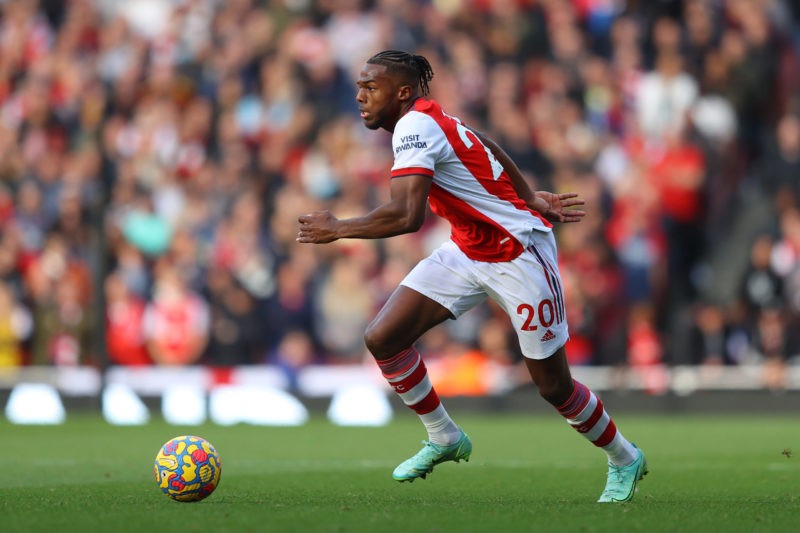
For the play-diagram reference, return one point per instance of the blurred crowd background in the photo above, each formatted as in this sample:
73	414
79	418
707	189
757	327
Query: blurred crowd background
155	156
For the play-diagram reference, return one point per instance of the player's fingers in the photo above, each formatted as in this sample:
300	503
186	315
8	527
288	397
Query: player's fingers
308	217
303	237
574	218
570	203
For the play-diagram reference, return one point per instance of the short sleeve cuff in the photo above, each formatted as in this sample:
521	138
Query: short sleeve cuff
410	171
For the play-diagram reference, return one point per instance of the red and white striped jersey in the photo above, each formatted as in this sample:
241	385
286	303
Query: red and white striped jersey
470	189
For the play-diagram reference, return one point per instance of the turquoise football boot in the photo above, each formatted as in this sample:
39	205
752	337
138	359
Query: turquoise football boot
622	480
421	464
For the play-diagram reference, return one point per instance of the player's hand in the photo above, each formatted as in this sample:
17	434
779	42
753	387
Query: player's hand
559	207
318	227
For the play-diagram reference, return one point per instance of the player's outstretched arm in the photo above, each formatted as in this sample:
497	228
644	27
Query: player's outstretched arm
515	175
403	213
553	207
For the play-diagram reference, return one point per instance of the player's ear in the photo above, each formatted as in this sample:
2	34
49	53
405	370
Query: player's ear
404	92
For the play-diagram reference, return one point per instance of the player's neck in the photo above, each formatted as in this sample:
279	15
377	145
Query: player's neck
405	107
409	105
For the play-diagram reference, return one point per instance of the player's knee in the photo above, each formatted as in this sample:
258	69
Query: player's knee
377	341
383	342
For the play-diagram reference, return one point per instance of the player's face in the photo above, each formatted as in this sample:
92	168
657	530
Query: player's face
378	97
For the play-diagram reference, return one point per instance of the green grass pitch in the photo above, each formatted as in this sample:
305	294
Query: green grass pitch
527	473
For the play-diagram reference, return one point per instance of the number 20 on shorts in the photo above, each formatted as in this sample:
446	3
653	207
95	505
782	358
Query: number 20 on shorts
544	314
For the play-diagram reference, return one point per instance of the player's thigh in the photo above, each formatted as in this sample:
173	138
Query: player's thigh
449	278
405	316
440	287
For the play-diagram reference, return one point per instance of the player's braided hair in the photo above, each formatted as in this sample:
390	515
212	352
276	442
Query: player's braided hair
413	67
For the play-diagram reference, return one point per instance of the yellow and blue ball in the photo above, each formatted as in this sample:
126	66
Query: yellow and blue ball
187	468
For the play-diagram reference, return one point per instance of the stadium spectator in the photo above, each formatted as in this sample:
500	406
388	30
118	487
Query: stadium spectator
176	320
664	97
777	172
771	343
762	287
235	336
60	289
293	353
125	340
344	307
15	327
710	337
290	307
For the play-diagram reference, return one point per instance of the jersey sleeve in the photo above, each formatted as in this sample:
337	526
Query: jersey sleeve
417	143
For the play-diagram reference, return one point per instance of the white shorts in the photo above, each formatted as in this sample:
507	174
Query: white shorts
527	288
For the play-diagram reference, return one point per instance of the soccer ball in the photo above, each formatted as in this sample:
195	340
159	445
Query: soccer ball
187	468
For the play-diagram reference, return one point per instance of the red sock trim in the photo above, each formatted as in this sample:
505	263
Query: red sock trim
410	381
577	400
589	424
429	403
571	398
398	364
607	436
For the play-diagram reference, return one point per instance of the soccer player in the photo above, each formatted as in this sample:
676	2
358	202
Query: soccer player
501	247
